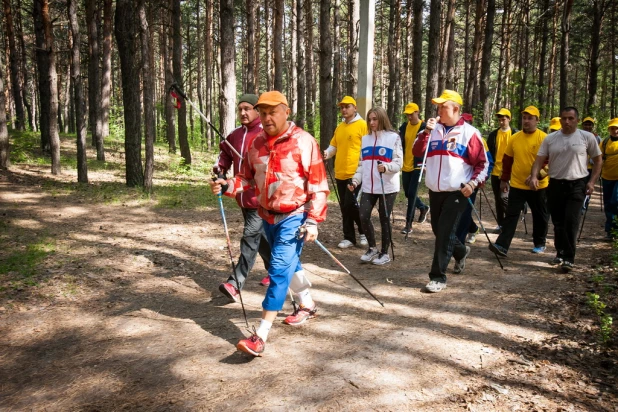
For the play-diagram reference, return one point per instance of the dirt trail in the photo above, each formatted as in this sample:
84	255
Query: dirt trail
127	316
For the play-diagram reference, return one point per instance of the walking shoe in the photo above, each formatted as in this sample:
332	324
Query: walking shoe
230	291
423	216
265	281
497	230
382	259
253	345
567	266
301	315
472	237
406	231
498	250
556	261
460	265
344	244
371	254
435	286
363	240
538	249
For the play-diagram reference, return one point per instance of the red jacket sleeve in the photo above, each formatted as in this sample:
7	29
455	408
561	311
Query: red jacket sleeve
224	162
420	144
507	166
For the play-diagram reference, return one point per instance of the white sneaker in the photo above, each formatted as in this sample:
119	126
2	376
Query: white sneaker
382	259
363	240
371	254
344	244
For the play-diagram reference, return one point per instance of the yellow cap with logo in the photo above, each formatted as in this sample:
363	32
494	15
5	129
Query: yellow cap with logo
531	110
347	100
504	112
554	124
613	122
448	96
411	108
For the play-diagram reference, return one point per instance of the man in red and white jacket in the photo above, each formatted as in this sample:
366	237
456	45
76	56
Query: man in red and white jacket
253	239
456	165
285	167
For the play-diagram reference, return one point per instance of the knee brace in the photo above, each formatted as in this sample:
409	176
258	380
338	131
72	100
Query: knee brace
299	282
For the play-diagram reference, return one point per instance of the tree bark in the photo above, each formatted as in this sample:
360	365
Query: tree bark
309	79
327	106
227	97
447	51
541	86
78	89
4	133
208	66
432	56
148	97
353	28
486	59
300	64
564	52
472	95
393	59
106	72
336	89
20	120
598	13
42	59
417	91
28	88
126	30
185	150
251	63
94	77
170	111
278	45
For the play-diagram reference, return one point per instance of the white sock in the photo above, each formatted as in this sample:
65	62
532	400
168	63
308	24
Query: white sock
305	298
263	329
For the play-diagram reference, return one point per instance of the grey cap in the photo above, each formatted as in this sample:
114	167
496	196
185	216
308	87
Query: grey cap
248	98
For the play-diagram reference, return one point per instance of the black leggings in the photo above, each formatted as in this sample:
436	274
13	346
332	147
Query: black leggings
368	201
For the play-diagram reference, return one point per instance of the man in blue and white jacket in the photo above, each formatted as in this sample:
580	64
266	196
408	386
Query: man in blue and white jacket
456	165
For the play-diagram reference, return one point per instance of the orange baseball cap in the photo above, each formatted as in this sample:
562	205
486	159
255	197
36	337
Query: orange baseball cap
532	111
272	98
347	100
448	96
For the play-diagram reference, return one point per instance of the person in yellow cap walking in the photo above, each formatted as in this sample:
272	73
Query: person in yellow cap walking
456	164
346	145
411	165
517	162
497	141
609	178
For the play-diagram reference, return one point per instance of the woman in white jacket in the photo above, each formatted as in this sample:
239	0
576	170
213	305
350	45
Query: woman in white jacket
383	146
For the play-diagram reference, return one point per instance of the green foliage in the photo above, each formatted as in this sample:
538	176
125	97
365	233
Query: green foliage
20	267
25	148
605	320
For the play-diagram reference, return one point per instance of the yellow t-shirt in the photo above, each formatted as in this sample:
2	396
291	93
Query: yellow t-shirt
609	151
502	140
523	148
408	157
347	140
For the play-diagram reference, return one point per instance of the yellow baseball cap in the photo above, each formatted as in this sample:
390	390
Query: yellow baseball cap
532	111
411	108
588	119
504	112
446	96
613	122
554	124
347	100
272	98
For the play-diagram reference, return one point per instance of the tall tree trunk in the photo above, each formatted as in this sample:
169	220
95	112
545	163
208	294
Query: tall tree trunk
278	45
451	80
94	77
42	60
251	80
472	96
598	13
503	63
353	28
67	98
148	97
170	111
486	59
552	59
208	65
432	56
20	120
407	45
309	79
200	95
4	133
300	63
126	30
393	59
78	88
327	106
27	89
523	54
227	97
268	48
417	93
446	49
106	71
564	52
185	150
293	77
336	89
541	86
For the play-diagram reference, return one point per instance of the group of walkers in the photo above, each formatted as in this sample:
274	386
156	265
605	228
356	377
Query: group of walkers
280	182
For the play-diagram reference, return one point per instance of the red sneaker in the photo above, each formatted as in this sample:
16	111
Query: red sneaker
253	345
230	291
265	281
301	315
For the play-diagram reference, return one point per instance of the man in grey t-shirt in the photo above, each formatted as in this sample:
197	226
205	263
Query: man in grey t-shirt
567	151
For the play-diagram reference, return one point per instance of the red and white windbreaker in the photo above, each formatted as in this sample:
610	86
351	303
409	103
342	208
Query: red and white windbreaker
453	158
289	177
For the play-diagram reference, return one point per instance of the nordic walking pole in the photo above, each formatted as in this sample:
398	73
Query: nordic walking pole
489	204
583	220
420	177
482	227
601	187
184	96
332	181
390	229
523	217
229	251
